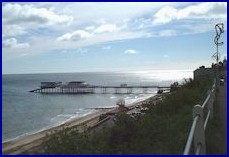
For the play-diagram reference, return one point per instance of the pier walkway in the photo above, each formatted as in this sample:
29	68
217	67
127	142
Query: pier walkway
99	89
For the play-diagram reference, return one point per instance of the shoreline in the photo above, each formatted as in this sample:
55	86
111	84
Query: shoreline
93	110
30	141
14	146
44	128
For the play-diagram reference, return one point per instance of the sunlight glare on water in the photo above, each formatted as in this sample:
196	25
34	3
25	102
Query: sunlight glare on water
172	75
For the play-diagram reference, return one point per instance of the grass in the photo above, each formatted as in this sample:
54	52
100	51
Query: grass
162	130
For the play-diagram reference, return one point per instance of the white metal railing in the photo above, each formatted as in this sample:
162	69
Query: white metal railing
197	132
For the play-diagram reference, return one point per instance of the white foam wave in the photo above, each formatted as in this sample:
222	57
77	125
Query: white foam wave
55	121
81	112
113	97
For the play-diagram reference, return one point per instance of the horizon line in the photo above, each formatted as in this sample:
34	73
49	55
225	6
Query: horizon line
117	71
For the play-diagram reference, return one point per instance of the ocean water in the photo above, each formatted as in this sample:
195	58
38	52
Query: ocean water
26	113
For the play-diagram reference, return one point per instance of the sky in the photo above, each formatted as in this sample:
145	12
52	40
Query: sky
42	37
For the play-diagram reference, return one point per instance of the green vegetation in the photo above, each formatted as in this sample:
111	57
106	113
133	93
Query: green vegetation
162	130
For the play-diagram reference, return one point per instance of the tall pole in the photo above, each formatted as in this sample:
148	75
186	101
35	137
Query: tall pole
219	30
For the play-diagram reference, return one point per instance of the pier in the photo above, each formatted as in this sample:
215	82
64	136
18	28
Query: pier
80	87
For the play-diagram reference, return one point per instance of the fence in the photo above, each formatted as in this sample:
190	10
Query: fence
197	132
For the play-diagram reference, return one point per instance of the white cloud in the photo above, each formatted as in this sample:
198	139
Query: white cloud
89	28
76	35
78	50
89	32
199	11
106	12
12	43
106	47
167	33
12	30
130	51
18	18
106	28
17	14
164	15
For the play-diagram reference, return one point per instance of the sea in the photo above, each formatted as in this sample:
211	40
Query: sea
25	113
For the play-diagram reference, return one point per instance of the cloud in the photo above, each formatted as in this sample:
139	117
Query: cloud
130	51
165	15
89	32
167	33
17	14
97	13
198	11
12	43
106	47
76	35
12	30
89	28
17	18
106	28
78	50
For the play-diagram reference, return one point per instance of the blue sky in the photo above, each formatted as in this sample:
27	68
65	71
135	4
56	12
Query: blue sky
94	37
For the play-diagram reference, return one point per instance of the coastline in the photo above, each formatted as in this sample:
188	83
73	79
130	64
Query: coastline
31	141
28	141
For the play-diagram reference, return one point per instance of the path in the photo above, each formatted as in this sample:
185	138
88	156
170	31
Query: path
222	108
216	133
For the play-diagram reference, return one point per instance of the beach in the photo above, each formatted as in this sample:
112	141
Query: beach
31	142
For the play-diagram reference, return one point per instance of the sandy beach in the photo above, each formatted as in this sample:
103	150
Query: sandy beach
22	144
30	142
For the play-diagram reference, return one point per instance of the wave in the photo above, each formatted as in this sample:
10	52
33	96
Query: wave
65	118
81	112
113	97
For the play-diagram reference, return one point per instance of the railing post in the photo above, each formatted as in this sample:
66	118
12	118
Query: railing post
211	102
199	135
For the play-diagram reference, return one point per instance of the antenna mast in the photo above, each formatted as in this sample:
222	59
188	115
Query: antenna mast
219	30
